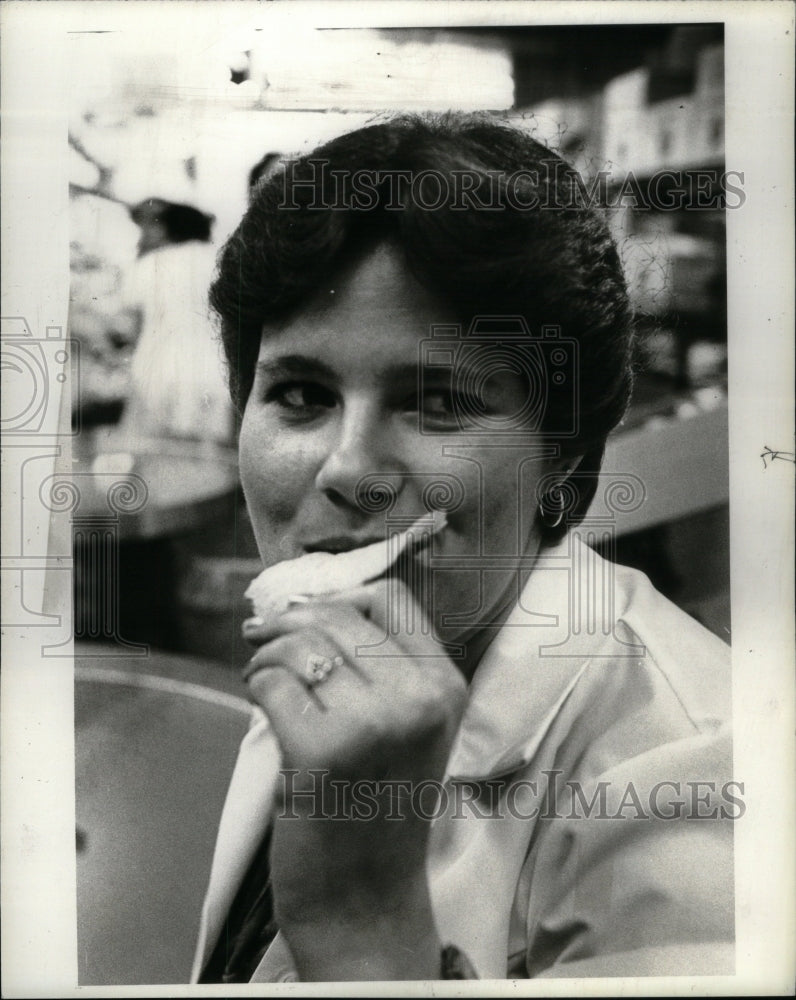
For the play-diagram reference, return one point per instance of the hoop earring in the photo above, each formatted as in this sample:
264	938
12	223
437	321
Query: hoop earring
551	518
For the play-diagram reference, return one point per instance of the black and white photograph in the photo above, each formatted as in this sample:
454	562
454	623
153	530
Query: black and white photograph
398	498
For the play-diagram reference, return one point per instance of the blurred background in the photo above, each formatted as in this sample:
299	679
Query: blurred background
166	139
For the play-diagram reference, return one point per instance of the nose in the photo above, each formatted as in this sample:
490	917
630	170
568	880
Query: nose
363	445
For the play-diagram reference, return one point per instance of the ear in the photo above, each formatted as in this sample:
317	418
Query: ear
564	466
552	497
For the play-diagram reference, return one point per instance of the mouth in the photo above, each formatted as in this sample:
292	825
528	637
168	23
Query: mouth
341	543
335	564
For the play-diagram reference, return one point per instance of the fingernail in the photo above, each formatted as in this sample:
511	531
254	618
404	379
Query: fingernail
255	622
250	668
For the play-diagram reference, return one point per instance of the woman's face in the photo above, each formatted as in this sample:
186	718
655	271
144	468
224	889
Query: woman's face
338	397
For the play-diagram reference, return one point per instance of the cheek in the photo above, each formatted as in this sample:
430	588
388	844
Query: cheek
497	514
495	519
275	478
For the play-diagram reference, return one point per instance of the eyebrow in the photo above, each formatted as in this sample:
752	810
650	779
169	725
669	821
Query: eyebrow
303	366
294	366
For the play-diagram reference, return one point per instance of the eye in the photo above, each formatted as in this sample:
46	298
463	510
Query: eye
430	403
445	410
438	403
301	399
440	410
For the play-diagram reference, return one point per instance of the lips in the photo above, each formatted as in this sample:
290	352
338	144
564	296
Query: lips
341	543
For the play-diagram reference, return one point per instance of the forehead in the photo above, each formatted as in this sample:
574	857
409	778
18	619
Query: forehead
374	309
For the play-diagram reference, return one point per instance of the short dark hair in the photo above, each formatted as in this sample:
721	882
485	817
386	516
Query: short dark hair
262	168
537	250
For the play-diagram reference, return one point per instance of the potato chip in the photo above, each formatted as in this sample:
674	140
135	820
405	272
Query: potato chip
319	573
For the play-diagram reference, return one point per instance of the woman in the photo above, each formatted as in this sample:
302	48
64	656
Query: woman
177	385
428	305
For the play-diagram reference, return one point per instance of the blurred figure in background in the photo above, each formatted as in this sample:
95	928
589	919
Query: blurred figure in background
177	373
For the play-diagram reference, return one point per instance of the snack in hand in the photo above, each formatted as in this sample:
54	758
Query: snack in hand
319	573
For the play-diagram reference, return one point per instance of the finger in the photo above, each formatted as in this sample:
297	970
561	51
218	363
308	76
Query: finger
266	657
316	659
257	630
370	600
287	702
318	613
376	620
280	658
325	644
344	624
250	630
328	631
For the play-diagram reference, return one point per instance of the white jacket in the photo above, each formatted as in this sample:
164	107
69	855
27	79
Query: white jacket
600	691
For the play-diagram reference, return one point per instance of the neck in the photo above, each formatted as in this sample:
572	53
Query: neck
476	641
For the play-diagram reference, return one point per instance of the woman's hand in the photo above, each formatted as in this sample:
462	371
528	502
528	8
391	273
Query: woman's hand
349	850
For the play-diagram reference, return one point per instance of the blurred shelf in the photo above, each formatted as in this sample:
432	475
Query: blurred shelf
656	398
682	460
162	488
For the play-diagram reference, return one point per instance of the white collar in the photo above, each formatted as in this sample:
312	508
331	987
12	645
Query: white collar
517	688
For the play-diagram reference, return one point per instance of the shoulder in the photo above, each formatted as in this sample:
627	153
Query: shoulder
629	865
594	663
632	870
694	663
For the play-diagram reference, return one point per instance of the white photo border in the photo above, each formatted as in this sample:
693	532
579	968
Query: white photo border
38	814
